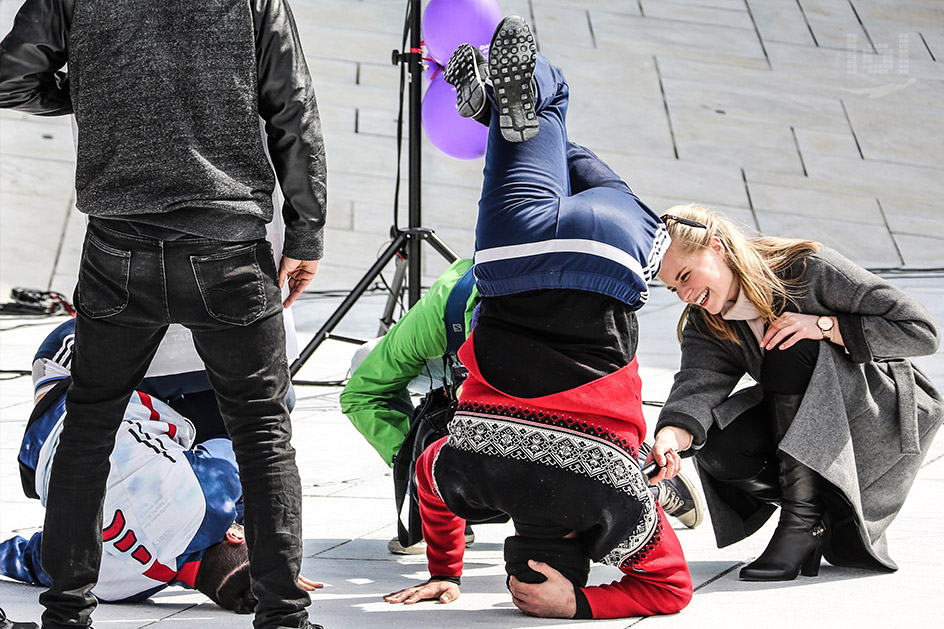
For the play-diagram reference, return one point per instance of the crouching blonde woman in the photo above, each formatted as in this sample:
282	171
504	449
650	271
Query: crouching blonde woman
840	420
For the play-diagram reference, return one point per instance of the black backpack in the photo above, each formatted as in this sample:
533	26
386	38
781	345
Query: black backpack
431	418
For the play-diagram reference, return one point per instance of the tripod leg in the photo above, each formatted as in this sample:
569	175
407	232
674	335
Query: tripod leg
392	249
396	289
441	247
399	276
397	245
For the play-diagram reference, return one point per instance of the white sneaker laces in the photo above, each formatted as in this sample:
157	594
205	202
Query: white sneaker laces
670	499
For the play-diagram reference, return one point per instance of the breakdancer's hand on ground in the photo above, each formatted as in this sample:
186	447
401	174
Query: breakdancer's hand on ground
444	591
308	585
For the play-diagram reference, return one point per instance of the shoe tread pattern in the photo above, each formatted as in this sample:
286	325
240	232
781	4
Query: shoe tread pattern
511	62
462	71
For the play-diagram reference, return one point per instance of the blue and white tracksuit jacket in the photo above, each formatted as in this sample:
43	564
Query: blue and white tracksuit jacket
166	501
614	255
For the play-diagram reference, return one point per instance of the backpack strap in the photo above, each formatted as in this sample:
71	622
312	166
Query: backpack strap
454	316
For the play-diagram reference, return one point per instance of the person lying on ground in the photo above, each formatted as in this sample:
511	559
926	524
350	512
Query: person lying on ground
172	508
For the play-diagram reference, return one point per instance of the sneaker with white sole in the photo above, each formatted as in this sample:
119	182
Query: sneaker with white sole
512	55
680	498
396	548
466	71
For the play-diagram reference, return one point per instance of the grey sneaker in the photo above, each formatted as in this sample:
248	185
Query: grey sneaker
6	623
396	548
680	499
511	60
466	71
419	547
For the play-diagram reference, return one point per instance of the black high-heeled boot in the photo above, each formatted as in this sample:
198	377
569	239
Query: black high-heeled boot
796	545
764	487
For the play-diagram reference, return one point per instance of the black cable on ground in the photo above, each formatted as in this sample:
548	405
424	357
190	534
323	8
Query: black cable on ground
13	374
321	383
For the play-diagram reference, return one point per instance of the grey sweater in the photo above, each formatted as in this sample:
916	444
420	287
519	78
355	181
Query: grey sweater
167	97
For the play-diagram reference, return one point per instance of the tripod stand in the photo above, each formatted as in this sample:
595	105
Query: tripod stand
406	243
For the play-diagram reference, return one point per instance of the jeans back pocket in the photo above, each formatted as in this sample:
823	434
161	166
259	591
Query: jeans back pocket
231	284
102	289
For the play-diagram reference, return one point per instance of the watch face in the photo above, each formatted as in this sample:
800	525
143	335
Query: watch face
825	323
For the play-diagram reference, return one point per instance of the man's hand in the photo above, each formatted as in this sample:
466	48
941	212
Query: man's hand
299	274
308	585
554	598
445	591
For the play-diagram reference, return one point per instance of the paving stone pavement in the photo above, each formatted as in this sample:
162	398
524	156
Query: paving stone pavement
814	118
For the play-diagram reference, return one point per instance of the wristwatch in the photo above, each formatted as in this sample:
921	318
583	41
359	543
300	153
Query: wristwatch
825	325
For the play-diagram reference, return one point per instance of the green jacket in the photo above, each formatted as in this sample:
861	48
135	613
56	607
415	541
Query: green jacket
372	397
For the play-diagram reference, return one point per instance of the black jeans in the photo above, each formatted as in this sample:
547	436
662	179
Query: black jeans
130	288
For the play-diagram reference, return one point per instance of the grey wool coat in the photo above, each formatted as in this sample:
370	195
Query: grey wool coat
866	420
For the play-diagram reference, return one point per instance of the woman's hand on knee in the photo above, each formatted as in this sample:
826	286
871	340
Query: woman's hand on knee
665	451
790	327
444	591
554	598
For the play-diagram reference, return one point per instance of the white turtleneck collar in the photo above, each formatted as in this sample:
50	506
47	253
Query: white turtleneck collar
742	309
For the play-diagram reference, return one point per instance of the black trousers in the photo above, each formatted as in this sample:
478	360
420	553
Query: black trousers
741	460
130	289
745	450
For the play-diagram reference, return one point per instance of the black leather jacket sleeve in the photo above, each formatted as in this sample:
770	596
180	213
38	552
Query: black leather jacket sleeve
31	56
293	126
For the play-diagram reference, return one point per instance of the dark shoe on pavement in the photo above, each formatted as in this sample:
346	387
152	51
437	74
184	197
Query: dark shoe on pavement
466	71
680	498
6	623
511	60
797	544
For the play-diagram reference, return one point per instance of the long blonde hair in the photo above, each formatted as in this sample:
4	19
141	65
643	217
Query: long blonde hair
756	262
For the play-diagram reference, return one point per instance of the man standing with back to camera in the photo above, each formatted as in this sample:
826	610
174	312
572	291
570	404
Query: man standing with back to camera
172	171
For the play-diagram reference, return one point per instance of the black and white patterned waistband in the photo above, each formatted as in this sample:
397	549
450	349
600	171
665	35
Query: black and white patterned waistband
564	449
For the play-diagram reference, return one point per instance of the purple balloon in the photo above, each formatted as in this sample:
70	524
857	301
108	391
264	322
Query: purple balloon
448	23
462	138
